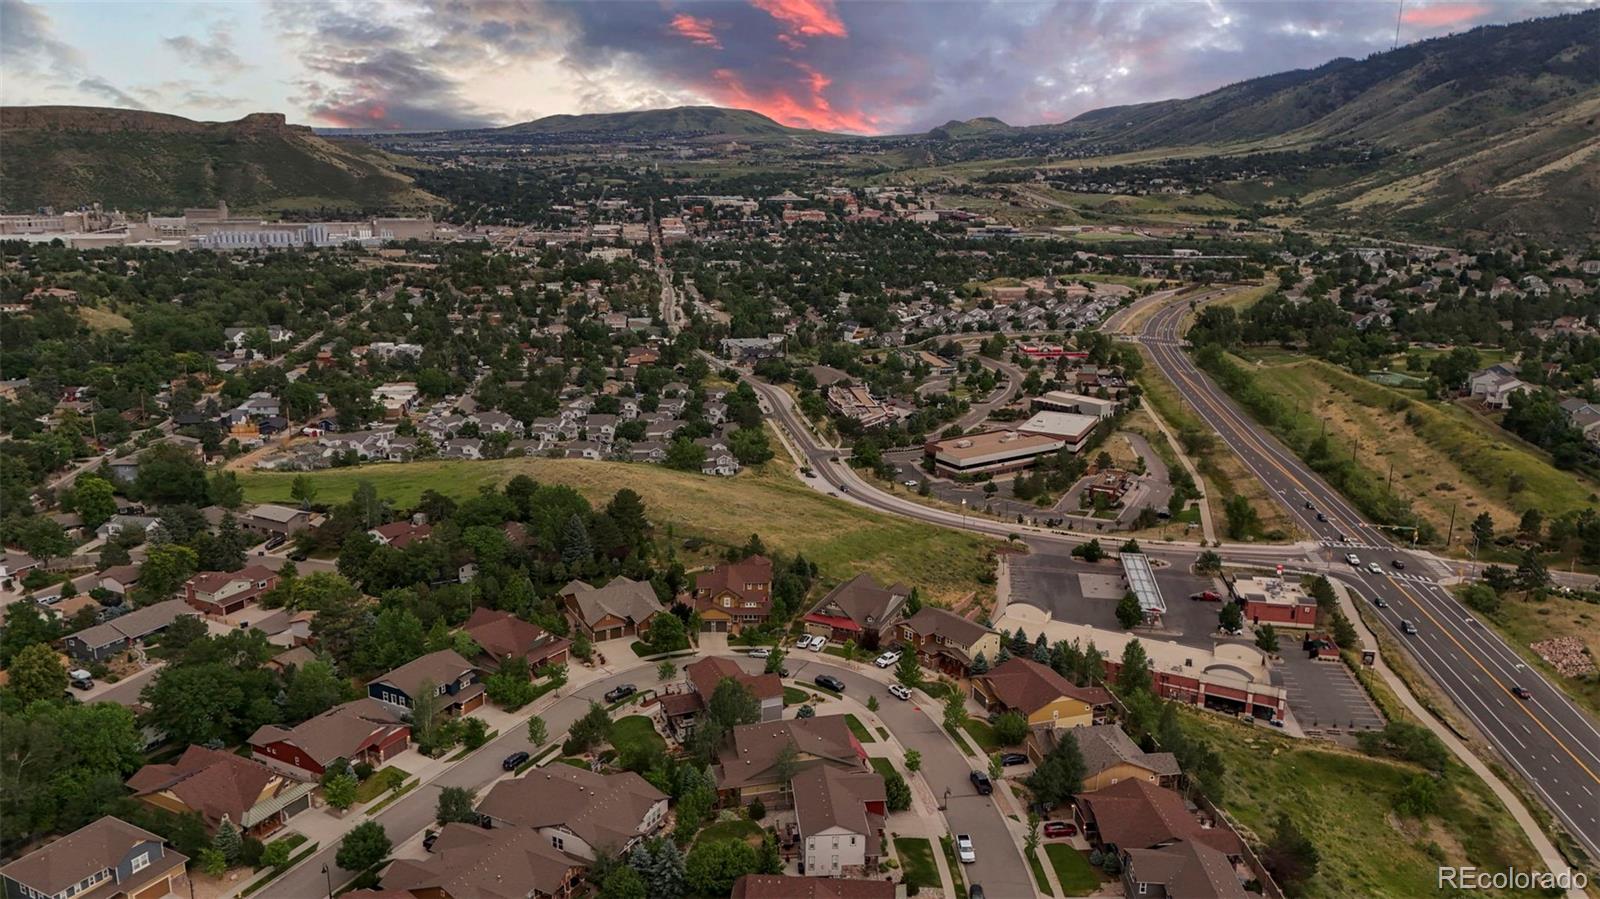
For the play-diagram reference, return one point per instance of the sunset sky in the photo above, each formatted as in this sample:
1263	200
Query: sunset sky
865	67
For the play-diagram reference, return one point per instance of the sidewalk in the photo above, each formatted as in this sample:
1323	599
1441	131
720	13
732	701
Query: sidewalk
1549	856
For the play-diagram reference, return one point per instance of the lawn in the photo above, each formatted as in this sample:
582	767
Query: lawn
1077	876
1039	878
916	859
859	729
841	538
1344	802
795	696
1445	458
982	734
382	780
882	765
948	843
635	731
741	829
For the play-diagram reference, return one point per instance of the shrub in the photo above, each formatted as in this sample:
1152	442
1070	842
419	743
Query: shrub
757	810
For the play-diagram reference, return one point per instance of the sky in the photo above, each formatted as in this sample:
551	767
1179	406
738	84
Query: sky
859	66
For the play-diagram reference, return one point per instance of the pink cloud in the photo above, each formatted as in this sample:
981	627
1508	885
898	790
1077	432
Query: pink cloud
804	105
699	31
807	18
1443	15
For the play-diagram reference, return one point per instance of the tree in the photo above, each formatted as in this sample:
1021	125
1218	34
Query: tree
588	731
213	863
666	670
1531	572
538	731
313	689
661	864
685	455
896	791
1089	552
1133	675
303	490
41	538
712	867
913	761
276	854
1208	562
995	767
166	566
980	664
1031	844
733	704
667	634
225	490
36	673
955	711
363	847
1230	617
750	446
26	624
1267	638
1291	856
1129	615
95	500
340	791
1419	797
908	672
624	883
1010	729
228	842
455	807
1242	520
1483	529
775	661
575	544
1059	774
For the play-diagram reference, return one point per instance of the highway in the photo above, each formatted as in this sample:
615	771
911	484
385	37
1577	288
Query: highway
1546	738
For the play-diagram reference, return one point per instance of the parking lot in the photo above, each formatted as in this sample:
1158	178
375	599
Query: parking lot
1071	589
1323	695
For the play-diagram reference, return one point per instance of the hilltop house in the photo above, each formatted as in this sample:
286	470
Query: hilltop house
858	609
945	641
622	608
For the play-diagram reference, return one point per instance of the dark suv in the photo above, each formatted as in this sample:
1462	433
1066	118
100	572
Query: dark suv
513	760
981	781
830	682
620	692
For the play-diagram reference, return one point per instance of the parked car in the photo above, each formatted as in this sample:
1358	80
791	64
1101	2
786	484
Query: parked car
1058	829
974	892
81	679
483	821
981	781
1408	627
1013	758
275	541
965	850
620	692
818	642
761	652
513	760
1521	692
829	682
1206	596
899	692
909	482
888	659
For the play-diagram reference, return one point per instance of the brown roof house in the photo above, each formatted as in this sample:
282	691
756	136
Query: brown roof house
469	862
945	641
1109	756
502	635
223	787
734	595
362	730
622	608
228	592
579	812
780	886
401	534
840	817
1183	870
454	680
1137	814
682	710
858	609
1039	694
752	764
108	859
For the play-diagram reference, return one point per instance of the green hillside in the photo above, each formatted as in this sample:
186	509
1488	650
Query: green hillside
686	121
66	156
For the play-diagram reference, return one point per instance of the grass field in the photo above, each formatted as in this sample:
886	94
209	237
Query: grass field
103	319
948	844
1444	457
1344	802
632	731
882	765
1528	621
1077	876
982	734
841	538
742	829
860	730
916	859
1221	472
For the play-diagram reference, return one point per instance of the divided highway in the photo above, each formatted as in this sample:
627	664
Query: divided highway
1546	737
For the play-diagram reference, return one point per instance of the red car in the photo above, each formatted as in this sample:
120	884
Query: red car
1055	829
1207	596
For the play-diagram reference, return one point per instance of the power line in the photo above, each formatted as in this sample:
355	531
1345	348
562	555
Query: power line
1397	15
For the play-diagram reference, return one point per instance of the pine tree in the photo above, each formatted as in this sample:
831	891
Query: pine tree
228	842
575	545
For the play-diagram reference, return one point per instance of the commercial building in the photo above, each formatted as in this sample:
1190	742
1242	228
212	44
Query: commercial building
1082	404
1274	601
1072	429
859	403
989	452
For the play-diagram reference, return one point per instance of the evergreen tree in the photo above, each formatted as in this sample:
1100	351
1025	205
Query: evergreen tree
1133	676
228	842
575	545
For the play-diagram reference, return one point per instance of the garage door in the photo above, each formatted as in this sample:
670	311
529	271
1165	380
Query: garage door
155	890
472	703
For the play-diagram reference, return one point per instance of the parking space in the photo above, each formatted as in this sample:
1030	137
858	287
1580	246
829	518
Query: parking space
1073	590
1324	696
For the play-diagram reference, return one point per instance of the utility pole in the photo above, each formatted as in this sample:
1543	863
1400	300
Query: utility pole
1389	484
1450	534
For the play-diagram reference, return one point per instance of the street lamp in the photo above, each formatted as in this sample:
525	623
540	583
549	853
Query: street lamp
328	874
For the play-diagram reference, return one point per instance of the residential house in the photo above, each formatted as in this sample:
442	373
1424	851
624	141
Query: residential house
1584	416
1137	814
839	814
101	642
108	859
1109	756
748	765
222	788
283	627
14	566
149	525
858	609
580	812
401	534
362	730
622	608
274	520
946	641
502	635
781	886
454	681
1039	694
468	862
734	595
1182	870
119	579
704	675
228	592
